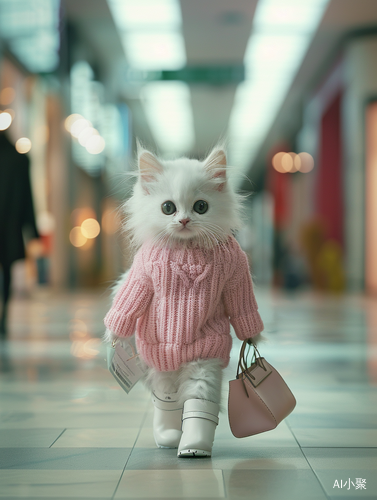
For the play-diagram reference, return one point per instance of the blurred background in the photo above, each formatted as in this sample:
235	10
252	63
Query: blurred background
291	86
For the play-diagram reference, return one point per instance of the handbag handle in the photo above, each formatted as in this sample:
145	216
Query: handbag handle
243	363
244	354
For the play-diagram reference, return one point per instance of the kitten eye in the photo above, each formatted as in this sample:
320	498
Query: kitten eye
201	207
168	208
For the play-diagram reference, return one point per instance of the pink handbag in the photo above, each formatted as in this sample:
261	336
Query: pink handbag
259	399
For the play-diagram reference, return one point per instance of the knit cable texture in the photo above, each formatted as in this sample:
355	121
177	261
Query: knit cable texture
181	302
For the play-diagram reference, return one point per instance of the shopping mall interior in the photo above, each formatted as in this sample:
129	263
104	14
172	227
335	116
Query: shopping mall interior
286	91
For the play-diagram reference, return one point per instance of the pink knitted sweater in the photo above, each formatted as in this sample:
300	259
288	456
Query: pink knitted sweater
181	302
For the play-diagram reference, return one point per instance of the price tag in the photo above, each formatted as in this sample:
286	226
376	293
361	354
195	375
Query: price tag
124	365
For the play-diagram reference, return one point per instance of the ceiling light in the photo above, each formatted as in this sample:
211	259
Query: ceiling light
281	34
154	51
131	14
167	106
31	30
290	14
150	33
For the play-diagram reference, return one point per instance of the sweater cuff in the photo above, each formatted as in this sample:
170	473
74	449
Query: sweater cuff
119	324
247	326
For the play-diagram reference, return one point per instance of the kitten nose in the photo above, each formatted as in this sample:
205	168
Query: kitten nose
184	222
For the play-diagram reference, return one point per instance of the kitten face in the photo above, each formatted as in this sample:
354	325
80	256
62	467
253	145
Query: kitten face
182	202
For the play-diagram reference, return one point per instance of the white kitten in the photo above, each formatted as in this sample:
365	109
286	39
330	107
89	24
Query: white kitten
182	202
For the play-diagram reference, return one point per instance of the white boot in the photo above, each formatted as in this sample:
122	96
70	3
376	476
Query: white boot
167	420
199	421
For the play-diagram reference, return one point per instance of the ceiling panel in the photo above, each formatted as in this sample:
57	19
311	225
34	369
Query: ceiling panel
216	31
211	106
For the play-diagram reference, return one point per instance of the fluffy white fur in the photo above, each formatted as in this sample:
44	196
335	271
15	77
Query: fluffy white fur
183	181
199	379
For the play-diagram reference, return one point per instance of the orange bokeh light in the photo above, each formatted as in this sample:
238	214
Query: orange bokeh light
291	162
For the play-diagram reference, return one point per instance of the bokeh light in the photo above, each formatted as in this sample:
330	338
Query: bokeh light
70	120
76	237
86	134
5	120
307	162
291	162
90	228
23	145
95	144
78	126
287	162
297	162
276	162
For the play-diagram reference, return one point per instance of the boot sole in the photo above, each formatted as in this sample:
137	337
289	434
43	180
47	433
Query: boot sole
192	453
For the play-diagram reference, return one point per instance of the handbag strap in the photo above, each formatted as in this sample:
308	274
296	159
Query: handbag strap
243	363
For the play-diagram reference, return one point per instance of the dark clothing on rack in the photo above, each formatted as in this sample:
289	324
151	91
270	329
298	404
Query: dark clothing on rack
16	213
16	204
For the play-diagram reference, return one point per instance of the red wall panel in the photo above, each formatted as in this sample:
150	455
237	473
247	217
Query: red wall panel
330	177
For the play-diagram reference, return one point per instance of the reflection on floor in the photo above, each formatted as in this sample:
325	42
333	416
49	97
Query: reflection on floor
68	431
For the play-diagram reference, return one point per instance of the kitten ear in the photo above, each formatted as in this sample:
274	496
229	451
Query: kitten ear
149	167
215	164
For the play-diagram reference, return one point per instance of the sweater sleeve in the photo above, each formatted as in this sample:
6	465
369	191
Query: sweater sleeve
131	301
239	300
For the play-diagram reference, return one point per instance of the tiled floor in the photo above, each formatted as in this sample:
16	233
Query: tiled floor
68	431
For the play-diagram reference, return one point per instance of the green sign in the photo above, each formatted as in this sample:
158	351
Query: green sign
212	75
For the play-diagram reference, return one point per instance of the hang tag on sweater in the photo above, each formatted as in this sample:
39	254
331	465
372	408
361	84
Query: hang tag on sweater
124	366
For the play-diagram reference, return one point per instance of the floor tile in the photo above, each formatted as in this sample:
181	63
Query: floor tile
97	438
341	458
26	420
145	438
273	484
281	436
343	438
336	467
333	420
25	438
323	402
171	484
70	484
64	458
223	457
